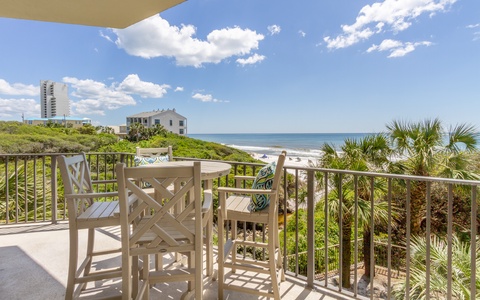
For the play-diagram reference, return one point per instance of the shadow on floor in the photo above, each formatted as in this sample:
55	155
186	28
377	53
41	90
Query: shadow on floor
22	278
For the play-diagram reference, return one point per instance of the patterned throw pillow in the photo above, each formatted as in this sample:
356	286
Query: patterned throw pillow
141	161
263	181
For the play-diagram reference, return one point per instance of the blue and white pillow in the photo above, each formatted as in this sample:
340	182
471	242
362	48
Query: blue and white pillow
263	181
142	161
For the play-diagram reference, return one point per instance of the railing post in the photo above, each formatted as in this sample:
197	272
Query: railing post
122	159
473	240
7	192
310	229
53	182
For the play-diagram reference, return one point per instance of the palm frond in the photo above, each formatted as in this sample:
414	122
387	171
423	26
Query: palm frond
438	260
462	135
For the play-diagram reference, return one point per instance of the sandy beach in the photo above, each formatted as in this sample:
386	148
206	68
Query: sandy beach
290	161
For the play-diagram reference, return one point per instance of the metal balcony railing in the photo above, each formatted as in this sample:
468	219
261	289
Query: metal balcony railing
322	244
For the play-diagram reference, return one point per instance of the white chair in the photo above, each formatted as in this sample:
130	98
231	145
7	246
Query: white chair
237	207
151	152
85	213
149	156
163	230
208	213
145	156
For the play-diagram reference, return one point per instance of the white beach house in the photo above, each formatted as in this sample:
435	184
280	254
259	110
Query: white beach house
169	119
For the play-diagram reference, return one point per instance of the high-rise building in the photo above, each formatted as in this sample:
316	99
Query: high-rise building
54	99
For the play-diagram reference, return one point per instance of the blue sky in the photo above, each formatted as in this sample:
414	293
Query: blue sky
254	66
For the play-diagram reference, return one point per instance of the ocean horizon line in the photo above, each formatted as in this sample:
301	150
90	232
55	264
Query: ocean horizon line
286	133
302	145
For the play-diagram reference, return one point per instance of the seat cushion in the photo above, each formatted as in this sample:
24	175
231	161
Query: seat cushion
263	181
239	207
141	161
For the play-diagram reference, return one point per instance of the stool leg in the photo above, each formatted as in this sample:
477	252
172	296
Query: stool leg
72	264
220	260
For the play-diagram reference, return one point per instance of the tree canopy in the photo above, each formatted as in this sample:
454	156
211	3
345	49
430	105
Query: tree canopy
16	137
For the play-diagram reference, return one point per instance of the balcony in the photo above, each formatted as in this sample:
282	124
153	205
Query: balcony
28	268
35	231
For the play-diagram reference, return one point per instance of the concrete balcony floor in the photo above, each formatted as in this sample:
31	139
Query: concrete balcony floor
34	265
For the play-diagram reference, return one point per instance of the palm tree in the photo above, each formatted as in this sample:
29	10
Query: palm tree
87	129
135	131
422	151
105	129
24	189
369	154
157	129
461	270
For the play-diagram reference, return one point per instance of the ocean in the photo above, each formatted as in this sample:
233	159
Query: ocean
302	145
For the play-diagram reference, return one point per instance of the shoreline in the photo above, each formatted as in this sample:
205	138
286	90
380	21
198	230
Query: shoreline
289	162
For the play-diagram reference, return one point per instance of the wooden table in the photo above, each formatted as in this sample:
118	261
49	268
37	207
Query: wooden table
209	170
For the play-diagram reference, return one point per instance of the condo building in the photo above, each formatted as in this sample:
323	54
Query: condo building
54	99
169	119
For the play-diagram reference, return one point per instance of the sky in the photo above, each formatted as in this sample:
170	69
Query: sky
249	66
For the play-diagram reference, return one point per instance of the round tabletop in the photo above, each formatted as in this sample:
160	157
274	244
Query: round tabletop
209	169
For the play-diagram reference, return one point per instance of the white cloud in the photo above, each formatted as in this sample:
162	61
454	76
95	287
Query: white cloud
251	60
18	89
133	85
179	89
385	45
203	97
89	107
103	35
88	88
14	108
274	29
154	37
476	35
397	48
206	98
302	33
389	15
96	97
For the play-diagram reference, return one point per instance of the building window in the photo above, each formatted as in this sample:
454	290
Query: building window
171	122
181	131
157	121
145	121
180	123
